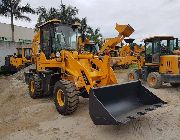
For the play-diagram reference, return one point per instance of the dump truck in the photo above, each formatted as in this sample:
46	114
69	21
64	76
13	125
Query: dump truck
71	73
20	59
162	62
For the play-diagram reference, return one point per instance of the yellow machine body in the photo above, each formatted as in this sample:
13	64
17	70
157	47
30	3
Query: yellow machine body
74	63
19	60
67	73
161	63
170	64
110	44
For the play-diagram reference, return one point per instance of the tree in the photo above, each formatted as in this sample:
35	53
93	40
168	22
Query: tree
84	25
67	14
45	15
14	10
94	35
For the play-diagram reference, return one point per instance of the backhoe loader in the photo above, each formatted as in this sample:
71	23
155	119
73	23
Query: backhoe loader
161	65
21	59
71	73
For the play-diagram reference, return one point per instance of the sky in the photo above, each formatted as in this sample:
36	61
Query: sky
147	17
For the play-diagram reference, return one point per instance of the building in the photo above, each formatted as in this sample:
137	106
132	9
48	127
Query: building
21	34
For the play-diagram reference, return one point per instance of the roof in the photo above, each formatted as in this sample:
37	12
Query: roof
150	39
50	21
26	47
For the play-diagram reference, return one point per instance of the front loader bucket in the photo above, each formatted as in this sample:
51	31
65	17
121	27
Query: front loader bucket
125	30
118	104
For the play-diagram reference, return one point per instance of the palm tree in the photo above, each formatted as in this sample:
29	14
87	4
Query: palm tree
14	10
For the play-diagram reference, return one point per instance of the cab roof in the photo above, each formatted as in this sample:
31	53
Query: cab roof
50	21
150	39
26	47
57	21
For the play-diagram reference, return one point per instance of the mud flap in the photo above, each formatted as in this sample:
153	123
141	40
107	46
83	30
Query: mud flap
118	104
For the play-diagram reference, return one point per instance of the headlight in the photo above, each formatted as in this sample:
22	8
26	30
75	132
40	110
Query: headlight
58	54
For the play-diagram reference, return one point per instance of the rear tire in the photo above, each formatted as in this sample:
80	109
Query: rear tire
35	90
154	80
133	75
66	97
175	85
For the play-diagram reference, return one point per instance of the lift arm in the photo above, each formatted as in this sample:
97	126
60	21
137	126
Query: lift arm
124	31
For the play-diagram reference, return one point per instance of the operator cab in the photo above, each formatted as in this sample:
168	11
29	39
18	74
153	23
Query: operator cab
158	46
57	36
27	53
90	47
23	52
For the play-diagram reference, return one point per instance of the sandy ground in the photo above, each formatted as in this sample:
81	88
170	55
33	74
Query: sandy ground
24	118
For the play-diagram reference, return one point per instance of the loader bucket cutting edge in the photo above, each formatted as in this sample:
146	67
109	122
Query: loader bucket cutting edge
118	104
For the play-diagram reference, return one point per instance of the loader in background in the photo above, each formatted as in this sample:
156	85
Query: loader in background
21	59
122	57
71	73
128	54
162	64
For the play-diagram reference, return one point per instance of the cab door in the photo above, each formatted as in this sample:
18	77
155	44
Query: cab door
156	51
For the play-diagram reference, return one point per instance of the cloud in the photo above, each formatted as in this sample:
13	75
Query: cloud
148	17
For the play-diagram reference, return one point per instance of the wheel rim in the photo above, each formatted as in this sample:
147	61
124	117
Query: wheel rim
60	97
32	87
131	76
152	80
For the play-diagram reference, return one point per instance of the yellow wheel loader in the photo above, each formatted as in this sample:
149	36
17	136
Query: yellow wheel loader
162	64
70	74
21	59
126	55
129	54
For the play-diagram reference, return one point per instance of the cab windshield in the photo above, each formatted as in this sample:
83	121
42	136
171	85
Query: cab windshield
64	38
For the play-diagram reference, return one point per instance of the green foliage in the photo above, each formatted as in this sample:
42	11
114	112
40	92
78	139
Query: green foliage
10	8
94	35
68	14
14	9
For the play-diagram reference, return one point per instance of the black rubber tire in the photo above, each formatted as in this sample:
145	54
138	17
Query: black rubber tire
175	85
37	87
157	83
133	73
71	97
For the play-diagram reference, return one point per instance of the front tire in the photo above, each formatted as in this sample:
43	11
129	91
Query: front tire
66	97
133	75
154	80
35	89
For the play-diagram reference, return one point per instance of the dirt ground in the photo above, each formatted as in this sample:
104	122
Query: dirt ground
24	118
